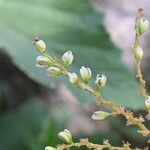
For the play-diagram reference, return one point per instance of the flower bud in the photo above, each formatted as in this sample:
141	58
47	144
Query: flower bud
85	74
40	45
100	81
147	104
142	25
73	78
42	61
100	115
53	71
65	136
139	53
50	148
67	58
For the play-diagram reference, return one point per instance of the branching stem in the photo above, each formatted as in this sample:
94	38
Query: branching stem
89	145
116	110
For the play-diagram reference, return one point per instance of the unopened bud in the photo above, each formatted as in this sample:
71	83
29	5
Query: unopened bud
100	81
142	25
85	74
65	136
40	45
100	115
42	61
67	58
73	78
147	104
139	53
50	148
53	71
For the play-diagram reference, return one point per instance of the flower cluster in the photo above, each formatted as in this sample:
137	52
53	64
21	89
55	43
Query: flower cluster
56	67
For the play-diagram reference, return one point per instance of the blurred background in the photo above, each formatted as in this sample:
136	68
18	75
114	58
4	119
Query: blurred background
35	107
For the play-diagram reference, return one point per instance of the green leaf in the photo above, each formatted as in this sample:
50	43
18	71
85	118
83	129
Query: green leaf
129	134
25	128
66	25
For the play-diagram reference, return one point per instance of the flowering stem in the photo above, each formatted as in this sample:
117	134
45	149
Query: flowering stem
139	75
116	110
89	145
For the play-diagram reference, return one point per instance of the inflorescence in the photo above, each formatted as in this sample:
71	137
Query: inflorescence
55	67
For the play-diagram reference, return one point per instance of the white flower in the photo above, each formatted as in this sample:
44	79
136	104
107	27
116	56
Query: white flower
73	78
100	81
139	53
67	58
100	115
85	74
53	71
50	148
65	136
147	103
142	25
40	45
42	61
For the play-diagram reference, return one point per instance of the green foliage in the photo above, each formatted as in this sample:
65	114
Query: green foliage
66	25
129	134
29	128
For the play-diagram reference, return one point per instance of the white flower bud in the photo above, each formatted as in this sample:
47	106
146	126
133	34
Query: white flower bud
100	81
139	53
40	45
85	74
42	61
73	78
147	104
65	136
100	115
53	71
67	58
50	148
143	25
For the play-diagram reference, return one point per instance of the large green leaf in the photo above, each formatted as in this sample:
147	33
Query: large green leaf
63	25
25	128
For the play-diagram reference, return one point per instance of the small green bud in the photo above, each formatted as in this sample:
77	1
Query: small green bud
67	58
53	71
139	53
100	115
50	148
85	74
65	136
73	78
100	81
40	45
142	25
147	104
42	61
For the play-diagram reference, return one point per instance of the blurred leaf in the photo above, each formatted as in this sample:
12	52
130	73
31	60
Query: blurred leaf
128	134
66	25
24	129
